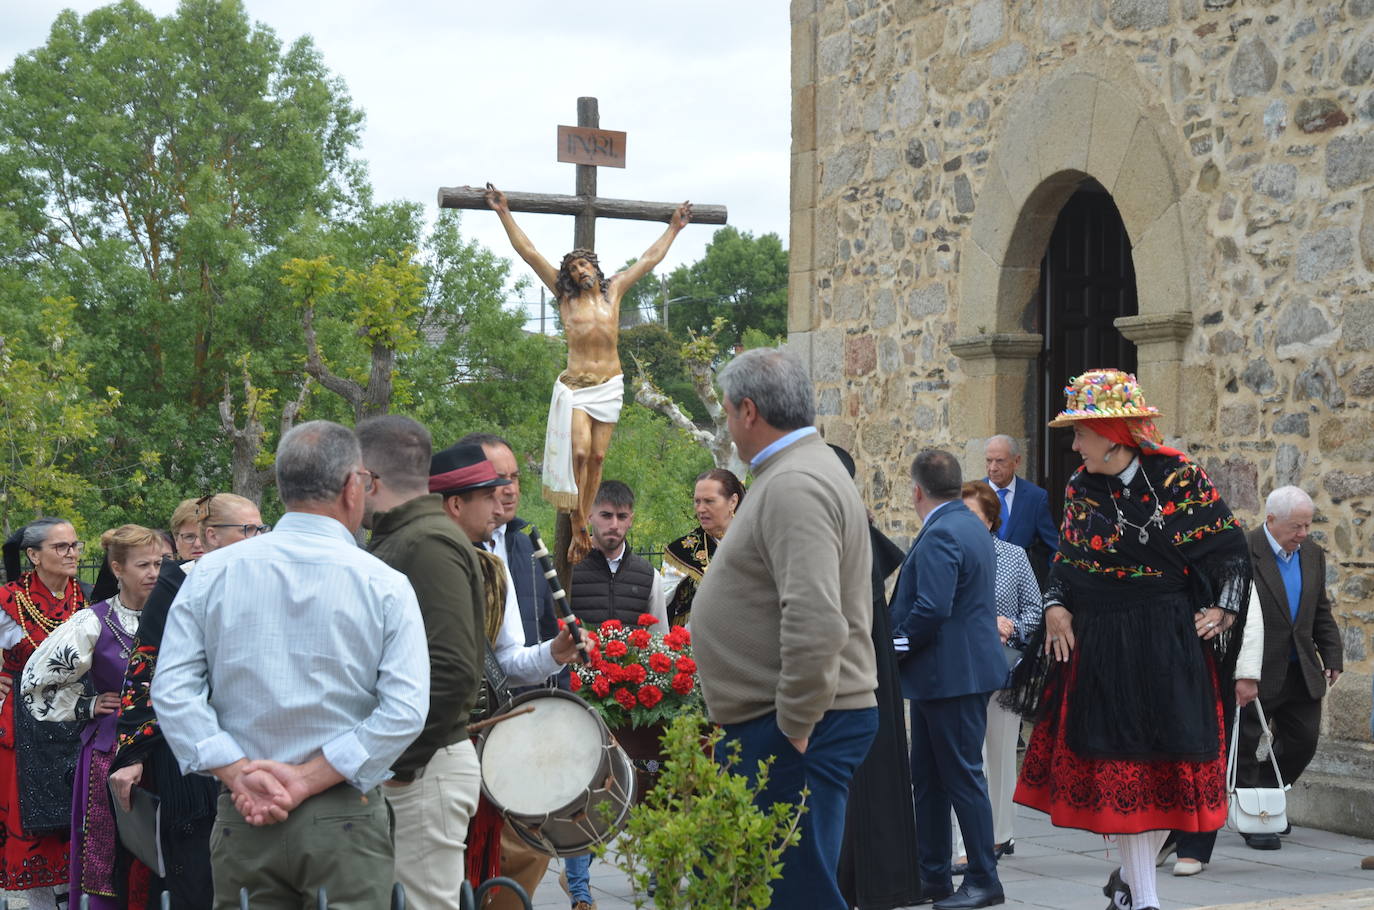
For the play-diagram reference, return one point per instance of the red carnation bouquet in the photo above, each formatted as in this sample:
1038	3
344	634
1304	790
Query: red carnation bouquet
636	676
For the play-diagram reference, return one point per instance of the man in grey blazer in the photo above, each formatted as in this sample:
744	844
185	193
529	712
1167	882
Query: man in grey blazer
1302	645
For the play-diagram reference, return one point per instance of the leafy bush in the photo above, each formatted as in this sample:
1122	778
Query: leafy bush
699	832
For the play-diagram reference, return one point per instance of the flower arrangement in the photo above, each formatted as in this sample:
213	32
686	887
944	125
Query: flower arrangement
637	677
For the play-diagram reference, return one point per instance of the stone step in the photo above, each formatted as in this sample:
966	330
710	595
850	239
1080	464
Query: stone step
1346	900
1344	759
1331	802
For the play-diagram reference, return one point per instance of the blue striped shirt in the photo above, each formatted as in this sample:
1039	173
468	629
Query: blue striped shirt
290	645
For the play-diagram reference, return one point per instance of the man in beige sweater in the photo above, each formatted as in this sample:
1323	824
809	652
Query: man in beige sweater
780	625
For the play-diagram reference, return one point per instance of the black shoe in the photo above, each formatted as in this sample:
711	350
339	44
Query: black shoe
930	891
1007	849
958	869
1287	829
1263	841
1117	892
969	897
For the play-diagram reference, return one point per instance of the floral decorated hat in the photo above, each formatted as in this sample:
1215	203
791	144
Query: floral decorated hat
1103	393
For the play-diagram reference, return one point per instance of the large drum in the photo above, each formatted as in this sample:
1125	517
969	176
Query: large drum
555	773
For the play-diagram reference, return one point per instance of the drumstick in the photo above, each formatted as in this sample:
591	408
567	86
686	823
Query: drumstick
560	598
483	724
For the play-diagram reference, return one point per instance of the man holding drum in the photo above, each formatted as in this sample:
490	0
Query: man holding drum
459	474
437	779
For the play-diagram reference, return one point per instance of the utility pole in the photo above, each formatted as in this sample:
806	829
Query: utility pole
541	309
663	289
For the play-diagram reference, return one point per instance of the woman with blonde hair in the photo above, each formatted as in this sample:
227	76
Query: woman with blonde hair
185	525
144	758
95	643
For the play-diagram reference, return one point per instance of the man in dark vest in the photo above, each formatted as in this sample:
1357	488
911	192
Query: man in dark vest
611	583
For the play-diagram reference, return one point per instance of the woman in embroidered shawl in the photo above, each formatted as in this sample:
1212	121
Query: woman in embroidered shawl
1143	617
717	495
144	758
95	643
32	604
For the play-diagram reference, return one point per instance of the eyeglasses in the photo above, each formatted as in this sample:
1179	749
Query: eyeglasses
187	537
370	479
248	530
66	549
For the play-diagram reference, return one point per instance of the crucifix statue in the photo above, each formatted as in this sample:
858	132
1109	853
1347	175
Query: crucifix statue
587	396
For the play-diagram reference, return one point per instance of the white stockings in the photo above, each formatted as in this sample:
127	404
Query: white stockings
1138	852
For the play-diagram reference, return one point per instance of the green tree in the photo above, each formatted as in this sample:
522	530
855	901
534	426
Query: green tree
48	415
154	166
741	278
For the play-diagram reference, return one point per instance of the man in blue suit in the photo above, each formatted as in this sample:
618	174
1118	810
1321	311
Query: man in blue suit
1026	518
944	606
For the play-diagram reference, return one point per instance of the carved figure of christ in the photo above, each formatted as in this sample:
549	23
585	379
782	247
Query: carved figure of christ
586	400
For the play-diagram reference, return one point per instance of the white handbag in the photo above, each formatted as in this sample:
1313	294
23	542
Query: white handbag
1255	810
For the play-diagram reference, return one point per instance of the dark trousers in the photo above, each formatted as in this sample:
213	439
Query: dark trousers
947	772
1295	720
838	744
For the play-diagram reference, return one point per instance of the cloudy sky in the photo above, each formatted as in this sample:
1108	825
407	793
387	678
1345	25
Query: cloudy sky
465	92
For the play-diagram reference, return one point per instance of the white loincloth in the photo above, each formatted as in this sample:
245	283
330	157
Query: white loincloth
600	402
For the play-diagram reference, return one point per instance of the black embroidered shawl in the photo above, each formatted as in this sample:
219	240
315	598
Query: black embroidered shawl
1142	688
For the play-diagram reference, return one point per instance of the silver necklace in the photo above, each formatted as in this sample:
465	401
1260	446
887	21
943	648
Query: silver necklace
1156	518
122	638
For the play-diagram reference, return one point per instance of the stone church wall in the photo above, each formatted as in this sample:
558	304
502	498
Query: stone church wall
933	143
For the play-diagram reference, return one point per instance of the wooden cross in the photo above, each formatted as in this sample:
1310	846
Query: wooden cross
585	206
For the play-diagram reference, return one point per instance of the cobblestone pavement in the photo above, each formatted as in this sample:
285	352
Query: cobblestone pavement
1059	869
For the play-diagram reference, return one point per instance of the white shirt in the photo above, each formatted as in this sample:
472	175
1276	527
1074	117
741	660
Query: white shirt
523	666
1279	552
292	645
497	544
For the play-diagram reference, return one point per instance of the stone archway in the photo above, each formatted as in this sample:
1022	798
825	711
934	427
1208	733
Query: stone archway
1081	121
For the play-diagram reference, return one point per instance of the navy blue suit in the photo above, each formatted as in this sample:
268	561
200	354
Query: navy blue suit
1030	520
945	606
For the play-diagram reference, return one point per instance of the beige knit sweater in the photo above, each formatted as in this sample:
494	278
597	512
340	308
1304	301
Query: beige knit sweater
781	621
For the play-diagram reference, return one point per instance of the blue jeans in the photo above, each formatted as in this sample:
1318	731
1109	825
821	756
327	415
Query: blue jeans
579	872
838	744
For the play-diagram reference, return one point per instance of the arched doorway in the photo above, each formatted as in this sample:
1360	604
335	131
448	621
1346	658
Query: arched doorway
1087	281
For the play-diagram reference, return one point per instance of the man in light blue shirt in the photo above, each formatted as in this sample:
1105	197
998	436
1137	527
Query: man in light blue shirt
295	669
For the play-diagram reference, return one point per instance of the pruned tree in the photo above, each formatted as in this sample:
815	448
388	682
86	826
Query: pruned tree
384	303
251	475
699	355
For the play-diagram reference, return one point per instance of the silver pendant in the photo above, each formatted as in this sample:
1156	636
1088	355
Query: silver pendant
1144	537
1125	492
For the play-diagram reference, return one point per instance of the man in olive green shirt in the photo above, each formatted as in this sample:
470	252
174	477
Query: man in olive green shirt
437	779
